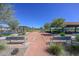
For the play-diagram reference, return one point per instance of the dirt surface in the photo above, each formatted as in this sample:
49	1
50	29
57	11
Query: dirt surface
38	42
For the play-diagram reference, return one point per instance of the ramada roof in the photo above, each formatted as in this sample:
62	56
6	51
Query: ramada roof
71	23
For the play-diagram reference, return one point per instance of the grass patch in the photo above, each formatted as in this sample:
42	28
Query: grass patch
13	35
4	35
2	46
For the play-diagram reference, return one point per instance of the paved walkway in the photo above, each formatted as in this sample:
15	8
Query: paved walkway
37	44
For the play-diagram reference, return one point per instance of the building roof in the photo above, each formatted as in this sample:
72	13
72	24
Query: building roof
71	23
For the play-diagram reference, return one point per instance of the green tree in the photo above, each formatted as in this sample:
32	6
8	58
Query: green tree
47	27
7	16
6	13
13	24
58	22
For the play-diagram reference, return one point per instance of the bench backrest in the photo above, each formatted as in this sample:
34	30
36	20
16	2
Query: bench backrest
15	38
62	38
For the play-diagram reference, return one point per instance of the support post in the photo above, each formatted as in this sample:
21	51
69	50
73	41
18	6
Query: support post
75	29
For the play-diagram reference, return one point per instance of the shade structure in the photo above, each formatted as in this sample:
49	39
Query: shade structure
69	27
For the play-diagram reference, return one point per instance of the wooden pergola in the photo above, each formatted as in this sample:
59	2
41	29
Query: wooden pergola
69	27
72	25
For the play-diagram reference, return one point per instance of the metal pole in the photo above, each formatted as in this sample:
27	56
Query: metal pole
71	46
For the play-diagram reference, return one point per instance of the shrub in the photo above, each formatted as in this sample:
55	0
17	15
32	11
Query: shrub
15	51
77	37
73	49
55	31
54	49
2	46
62	34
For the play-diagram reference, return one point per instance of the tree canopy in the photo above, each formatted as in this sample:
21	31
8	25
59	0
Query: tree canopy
7	16
13	24
57	22
6	12
47	26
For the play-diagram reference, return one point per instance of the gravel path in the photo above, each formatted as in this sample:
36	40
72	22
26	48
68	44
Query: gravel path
37	44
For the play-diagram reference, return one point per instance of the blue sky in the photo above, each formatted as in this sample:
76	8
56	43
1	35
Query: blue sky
36	15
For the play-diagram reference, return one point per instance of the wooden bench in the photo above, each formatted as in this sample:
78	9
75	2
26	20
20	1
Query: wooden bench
16	40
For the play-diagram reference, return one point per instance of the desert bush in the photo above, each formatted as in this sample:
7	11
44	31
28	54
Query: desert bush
73	49
55	49
62	34
15	51
55	31
77	37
